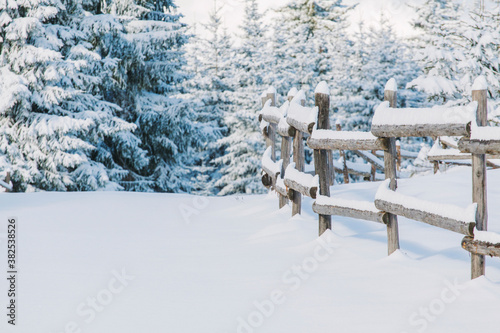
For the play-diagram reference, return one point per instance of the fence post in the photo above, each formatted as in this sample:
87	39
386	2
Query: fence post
322	101
271	94
374	169
299	160
342	154
390	156
285	151
479	94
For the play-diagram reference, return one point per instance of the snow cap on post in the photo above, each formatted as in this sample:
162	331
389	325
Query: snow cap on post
263	95
391	85
300	96
292	92
271	90
322	88
480	83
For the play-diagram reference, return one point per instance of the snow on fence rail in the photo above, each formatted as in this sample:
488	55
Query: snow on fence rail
294	120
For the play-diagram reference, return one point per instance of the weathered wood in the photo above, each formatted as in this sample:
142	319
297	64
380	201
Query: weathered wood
479	195
391	173
480	248
347	144
272	175
342	154
374	168
286	131
265	129
380	217
280	187
398	154
285	156
479	147
450	157
322	101
266	180
299	160
301	126
304	190
419	130
461	227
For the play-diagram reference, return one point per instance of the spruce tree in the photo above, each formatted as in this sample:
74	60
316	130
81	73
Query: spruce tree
56	132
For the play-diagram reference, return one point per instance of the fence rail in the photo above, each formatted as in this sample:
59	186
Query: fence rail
293	121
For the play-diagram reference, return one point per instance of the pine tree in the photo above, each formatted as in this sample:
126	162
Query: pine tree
377	56
438	24
250	75
310	43
147	84
56	133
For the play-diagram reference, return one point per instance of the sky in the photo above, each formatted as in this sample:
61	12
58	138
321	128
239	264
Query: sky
368	11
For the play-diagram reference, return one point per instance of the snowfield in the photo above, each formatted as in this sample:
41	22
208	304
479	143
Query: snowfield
106	262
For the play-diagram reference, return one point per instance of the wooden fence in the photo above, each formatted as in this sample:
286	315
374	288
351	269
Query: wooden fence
292	121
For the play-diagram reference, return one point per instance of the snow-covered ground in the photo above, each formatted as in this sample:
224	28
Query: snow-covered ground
109	262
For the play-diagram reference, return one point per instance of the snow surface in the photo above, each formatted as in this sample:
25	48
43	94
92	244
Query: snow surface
385	115
484	133
480	83
292	92
323	134
207	264
299	97
269	164
322	88
303	114
437	150
467	214
487	236
305	179
391	85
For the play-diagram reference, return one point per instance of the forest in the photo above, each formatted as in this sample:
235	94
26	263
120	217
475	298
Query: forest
121	95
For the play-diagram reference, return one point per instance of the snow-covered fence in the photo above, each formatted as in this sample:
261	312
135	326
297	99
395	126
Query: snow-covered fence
295	120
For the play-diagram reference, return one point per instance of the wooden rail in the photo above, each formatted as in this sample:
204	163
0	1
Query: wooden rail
388	124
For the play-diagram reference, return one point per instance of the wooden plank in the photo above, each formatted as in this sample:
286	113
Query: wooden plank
346	144
480	248
304	190
479	147
374	169
390	173
479	194
461	227
420	130
301	126
380	217
266	180
322	101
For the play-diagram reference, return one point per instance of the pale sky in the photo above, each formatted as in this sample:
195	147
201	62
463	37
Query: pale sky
368	10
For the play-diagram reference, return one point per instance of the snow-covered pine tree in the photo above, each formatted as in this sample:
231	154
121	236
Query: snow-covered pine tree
55	133
310	43
147	84
250	74
377	56
208	60
438	24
